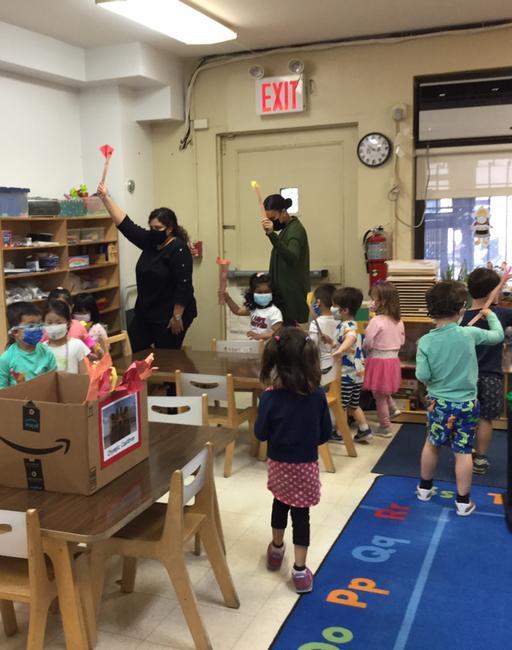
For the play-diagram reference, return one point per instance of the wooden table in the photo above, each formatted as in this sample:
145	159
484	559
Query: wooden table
67	519
245	368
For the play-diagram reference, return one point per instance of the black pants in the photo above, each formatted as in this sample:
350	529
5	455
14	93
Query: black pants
300	521
143	334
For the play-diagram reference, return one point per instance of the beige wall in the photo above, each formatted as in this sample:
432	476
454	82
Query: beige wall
352	85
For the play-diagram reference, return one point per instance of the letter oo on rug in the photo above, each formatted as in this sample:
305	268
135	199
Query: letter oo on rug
338	635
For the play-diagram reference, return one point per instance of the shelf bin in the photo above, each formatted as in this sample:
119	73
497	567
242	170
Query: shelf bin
14	201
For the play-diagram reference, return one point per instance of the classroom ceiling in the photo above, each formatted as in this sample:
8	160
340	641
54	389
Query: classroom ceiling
260	24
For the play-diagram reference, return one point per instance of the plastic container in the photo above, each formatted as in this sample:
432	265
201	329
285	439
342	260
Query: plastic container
14	201
91	234
72	208
94	205
73	235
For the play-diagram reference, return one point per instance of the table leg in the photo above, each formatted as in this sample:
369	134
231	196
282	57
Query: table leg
75	634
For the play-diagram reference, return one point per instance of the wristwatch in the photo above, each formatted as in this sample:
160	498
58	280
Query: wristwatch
176	316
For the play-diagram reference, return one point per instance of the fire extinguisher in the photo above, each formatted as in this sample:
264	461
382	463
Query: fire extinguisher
375	246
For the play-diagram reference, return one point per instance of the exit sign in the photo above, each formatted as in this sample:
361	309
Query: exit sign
276	95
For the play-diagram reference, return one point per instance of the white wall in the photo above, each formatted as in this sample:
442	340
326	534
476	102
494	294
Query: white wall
40	136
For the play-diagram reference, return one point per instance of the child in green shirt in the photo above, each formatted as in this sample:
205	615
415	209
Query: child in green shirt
25	357
446	363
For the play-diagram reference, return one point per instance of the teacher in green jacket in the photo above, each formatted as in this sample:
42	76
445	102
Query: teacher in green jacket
289	260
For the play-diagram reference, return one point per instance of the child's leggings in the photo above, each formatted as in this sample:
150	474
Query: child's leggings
300	521
385	404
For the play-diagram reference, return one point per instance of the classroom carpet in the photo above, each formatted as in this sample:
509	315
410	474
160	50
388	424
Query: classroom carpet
402	458
410	575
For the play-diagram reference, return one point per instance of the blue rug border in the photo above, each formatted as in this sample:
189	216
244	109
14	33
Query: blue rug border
377	477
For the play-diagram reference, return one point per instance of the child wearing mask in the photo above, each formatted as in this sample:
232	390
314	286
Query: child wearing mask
25	357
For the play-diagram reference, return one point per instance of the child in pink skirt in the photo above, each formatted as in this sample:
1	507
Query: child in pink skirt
294	418
384	337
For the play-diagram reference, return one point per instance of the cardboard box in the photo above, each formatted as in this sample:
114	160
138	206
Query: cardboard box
50	440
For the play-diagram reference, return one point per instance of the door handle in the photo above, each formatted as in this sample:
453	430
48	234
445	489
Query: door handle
228	227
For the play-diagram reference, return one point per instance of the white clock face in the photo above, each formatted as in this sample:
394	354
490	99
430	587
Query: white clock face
374	149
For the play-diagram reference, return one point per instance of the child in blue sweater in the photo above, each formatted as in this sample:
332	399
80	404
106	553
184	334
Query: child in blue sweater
294	418
446	363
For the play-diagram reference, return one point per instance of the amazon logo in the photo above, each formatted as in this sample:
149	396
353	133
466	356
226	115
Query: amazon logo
64	443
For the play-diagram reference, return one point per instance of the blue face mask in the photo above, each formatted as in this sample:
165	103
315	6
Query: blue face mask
263	299
316	309
33	335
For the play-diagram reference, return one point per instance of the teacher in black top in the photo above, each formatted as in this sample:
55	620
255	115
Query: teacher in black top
165	305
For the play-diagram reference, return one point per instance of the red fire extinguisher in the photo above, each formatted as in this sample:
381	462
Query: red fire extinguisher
375	245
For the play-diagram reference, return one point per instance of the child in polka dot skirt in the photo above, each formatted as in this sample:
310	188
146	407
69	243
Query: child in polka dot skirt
294	418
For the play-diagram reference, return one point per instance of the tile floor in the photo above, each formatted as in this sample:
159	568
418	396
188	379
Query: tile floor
151	619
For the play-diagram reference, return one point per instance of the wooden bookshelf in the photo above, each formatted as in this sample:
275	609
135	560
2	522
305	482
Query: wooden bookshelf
103	276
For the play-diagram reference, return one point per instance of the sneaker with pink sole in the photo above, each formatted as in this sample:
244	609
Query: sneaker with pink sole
303	581
274	557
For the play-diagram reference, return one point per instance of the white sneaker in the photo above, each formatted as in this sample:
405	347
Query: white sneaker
383	432
424	494
465	509
395	413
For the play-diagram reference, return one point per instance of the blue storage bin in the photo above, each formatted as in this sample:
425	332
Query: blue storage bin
14	201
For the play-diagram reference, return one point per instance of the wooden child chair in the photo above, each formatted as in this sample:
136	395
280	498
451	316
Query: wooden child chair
161	531
340	417
27	577
246	346
122	338
218	388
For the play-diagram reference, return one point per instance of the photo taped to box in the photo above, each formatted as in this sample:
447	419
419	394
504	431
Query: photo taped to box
119	427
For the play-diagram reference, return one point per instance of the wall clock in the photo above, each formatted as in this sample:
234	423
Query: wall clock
374	149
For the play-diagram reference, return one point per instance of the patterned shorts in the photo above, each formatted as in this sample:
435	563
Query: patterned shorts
490	396
453	424
350	395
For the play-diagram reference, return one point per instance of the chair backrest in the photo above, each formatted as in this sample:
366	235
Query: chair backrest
200	488
191	409
13	534
246	346
191	383
123	338
195	468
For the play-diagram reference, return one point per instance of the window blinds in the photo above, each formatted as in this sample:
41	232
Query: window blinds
464	174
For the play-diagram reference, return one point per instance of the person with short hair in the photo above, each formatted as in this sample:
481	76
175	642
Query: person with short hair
289	260
25	357
481	283
322	329
446	363
349	349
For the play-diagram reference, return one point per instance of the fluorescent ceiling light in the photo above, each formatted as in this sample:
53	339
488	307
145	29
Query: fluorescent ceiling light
172	18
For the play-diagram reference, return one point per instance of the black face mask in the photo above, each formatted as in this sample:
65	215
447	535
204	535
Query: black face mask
278	225
157	237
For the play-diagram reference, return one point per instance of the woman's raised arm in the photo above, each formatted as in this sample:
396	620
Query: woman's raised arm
116	213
